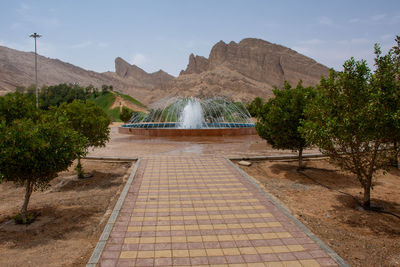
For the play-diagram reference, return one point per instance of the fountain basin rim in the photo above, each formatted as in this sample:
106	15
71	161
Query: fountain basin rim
175	125
160	132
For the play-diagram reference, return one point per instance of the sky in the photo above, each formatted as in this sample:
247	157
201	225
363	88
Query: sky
162	34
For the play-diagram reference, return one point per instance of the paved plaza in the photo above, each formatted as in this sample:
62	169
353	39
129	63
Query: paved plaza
201	211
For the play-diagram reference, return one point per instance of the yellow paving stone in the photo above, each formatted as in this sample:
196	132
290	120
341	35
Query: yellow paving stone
283	235
236	265
240	237
197	252
191	227
209	238
163	228
214	252
274	264
309	263
128	254
234	225
257	264
189	217
231	251
206	227
291	264
145	254
269	235
274	224
177	227
131	240
248	250
147	240
149	228
134	228
163	239
279	249
295	248
261	224
247	225
180	253
262	250
225	237
220	226
194	239
255	236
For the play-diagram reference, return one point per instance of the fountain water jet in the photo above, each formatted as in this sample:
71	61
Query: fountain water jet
194	117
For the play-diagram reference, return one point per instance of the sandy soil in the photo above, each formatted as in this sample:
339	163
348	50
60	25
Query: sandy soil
362	238
73	215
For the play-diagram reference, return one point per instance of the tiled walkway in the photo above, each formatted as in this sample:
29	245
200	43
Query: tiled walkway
203	212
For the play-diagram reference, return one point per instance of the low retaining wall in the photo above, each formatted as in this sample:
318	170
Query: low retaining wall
188	132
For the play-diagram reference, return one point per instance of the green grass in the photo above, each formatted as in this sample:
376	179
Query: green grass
131	99
114	114
104	101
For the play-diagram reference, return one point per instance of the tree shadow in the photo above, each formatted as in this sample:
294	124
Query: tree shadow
98	180
377	222
331	178
53	224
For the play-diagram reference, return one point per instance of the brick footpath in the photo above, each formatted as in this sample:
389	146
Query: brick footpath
200	211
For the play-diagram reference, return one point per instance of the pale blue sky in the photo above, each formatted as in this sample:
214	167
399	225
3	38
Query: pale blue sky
161	34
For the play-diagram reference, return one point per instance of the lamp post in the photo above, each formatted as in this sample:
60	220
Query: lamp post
35	35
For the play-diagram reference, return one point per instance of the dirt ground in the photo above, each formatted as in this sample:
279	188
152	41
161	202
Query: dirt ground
362	238
73	214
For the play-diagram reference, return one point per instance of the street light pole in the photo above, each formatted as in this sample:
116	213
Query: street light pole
35	35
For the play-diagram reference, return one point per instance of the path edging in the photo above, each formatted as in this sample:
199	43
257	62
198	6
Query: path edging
304	228
94	259
279	157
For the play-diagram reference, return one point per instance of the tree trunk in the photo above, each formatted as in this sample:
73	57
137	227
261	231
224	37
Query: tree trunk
395	161
28	193
300	158
79	169
367	193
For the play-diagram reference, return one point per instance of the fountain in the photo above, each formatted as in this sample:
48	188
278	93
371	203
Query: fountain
192	117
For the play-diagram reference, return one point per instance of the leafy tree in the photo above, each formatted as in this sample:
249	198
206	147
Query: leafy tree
280	118
33	152
17	106
126	114
255	106
349	121
90	121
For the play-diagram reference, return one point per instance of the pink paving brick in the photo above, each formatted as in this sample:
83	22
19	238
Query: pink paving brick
183	211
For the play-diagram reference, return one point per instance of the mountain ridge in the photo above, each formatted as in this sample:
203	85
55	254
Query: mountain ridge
240	71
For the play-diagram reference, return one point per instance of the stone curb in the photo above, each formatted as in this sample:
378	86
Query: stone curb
94	259
304	228
111	158
278	157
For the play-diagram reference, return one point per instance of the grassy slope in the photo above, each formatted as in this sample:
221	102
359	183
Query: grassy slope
131	99
105	102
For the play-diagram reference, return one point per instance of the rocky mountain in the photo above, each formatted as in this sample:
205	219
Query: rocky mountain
17	69
240	71
243	71
139	77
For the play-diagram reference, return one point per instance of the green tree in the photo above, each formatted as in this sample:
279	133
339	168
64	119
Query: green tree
126	114
17	106
255	106
90	121
281	116
348	121
32	153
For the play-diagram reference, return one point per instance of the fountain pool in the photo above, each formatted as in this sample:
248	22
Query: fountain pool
193	117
